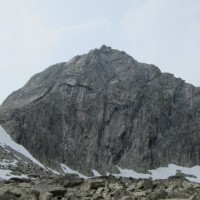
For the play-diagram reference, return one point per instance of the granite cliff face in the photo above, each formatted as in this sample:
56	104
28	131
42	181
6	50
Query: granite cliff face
104	109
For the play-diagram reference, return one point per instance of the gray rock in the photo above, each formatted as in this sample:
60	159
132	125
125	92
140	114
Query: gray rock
70	195
100	190
159	193
50	190
106	109
8	196
127	198
45	196
58	192
93	184
25	185
145	184
71	180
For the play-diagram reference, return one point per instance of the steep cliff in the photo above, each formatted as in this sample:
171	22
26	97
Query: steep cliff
104	109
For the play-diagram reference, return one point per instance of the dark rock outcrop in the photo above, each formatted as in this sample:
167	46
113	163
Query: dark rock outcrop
104	109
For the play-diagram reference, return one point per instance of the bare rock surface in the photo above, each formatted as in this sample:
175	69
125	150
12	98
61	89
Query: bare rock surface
104	109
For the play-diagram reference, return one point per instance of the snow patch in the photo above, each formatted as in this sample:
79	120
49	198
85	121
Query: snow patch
5	140
131	173
68	170
163	173
6	162
96	173
6	174
54	171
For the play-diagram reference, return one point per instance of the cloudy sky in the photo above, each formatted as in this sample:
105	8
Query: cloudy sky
35	34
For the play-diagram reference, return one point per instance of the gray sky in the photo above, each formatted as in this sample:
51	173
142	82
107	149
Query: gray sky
35	34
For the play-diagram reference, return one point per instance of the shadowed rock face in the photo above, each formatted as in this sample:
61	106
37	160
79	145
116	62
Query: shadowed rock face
104	109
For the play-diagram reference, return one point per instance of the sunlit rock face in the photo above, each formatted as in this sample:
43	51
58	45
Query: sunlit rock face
104	109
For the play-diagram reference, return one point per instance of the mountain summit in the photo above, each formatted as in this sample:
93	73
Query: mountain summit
104	109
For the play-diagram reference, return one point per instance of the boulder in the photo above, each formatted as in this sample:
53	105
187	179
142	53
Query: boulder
45	196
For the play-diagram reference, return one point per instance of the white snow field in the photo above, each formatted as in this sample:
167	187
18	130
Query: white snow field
163	173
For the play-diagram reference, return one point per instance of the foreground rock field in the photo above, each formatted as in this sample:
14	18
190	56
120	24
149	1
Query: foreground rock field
71	187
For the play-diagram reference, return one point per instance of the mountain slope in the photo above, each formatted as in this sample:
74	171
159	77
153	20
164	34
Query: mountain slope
104	109
17	162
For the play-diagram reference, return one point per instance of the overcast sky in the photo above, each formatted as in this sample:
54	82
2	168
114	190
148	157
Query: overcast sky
35	34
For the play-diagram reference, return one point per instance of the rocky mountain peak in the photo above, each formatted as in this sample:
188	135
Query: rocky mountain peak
103	109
